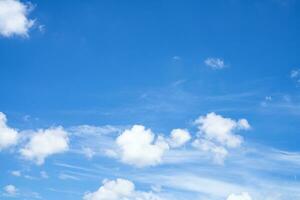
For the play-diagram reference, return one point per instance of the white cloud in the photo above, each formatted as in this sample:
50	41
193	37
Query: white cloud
10	190
295	75
242	196
219	153
44	143
14	18
119	189
179	137
215	63
217	133
88	152
8	136
140	147
16	173
222	130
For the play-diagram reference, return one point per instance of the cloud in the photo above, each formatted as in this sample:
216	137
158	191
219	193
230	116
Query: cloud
221	130
44	143
179	137
242	196
215	63
219	152
88	152
140	147
8	136
295	75
119	189
217	133
16	173
14	18
10	190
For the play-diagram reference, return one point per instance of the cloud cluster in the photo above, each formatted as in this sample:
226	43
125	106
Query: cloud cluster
44	143
217	133
14	18
119	189
215	63
140	147
8	136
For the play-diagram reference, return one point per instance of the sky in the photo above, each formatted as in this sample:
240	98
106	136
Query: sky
150	100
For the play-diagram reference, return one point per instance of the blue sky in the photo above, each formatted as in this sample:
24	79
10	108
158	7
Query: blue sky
150	100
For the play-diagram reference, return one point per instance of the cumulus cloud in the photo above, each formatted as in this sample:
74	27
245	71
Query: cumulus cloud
10	190
14	18
179	137
242	196
215	63
222	130
44	143
217	133
8	136
119	189
140	147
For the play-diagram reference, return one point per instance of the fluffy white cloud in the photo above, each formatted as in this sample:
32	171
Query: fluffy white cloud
8	136
119	189
140	147
221	130
14	18
179	137
10	190
44	143
215	63
242	196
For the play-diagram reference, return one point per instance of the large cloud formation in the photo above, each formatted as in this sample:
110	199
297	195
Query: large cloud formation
119	189
44	143
8	136
13	18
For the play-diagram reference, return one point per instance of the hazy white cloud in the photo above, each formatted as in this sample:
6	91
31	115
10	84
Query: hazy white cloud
179	137
10	190
221	130
295	75
88	152
44	143
219	152
242	196
8	136
16	173
140	147
119	189
215	63
64	176
14	18
44	174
